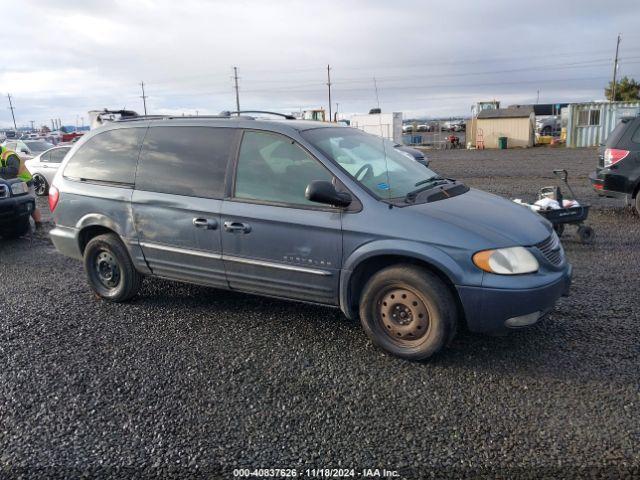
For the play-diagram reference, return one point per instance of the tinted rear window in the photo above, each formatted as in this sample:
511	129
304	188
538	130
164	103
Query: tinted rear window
108	157
617	133
188	161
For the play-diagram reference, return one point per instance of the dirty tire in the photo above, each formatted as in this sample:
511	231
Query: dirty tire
586	234
637	204
18	230
408	311
109	269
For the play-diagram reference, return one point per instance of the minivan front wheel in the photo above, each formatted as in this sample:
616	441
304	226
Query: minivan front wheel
109	269
408	311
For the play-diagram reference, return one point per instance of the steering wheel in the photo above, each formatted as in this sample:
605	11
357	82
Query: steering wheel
367	169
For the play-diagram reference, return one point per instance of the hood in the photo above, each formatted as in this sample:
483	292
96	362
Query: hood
495	220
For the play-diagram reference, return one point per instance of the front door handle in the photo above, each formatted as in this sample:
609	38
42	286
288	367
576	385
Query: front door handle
207	223
237	227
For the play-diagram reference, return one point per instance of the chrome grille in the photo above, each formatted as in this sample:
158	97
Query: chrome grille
4	191
552	249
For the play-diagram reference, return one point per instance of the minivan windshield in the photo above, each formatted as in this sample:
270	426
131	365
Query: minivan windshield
372	161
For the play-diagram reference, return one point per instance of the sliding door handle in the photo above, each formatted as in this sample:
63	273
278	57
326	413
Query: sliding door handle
208	223
237	227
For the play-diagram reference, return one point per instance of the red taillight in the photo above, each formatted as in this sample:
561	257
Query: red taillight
598	186
54	195
613	156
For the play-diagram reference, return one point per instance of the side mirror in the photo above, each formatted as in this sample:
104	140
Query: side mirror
321	191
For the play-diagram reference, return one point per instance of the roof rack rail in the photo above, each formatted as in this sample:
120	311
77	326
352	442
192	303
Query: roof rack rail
167	117
227	113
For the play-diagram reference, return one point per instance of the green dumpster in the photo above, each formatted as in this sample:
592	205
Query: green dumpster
502	143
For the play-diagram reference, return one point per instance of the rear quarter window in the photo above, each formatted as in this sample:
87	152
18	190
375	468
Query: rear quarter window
189	161
618	132
107	157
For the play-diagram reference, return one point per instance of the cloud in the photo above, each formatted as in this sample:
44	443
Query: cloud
429	58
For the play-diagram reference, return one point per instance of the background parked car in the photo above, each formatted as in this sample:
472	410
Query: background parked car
414	153
618	171
27	148
548	125
43	168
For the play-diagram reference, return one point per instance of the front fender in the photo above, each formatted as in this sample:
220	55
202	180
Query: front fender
450	263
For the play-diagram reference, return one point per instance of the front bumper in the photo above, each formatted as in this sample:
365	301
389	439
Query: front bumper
488	309
13	209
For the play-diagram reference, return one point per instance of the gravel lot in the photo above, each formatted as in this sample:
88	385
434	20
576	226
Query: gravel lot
191	381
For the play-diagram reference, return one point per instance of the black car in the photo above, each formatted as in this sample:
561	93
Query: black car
618	172
16	205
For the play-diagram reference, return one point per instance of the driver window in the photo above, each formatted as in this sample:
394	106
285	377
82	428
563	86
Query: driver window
272	168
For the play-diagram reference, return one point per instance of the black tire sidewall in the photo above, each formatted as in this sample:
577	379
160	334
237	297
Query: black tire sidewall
129	277
434	294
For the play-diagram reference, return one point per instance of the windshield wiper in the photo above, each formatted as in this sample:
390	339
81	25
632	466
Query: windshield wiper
427	180
426	184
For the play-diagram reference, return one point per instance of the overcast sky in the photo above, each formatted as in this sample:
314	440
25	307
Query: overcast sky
61	59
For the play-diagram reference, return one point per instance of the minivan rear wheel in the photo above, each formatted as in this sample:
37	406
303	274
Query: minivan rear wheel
110	271
408	311
638	203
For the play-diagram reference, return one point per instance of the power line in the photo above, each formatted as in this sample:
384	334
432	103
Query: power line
365	80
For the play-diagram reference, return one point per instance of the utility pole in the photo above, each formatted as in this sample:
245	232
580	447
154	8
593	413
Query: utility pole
329	85
375	86
336	114
615	70
15	127
538	97
144	98
235	80
32	122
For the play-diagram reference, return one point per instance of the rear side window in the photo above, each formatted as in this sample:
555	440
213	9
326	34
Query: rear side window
57	155
188	161
636	135
45	157
108	157
617	133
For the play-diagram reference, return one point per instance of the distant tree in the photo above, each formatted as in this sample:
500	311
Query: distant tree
627	90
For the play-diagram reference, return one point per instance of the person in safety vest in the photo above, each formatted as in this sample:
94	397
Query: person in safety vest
12	166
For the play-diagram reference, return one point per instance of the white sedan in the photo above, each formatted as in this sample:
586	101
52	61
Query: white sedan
44	166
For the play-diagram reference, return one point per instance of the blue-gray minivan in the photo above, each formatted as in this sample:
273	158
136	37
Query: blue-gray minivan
305	211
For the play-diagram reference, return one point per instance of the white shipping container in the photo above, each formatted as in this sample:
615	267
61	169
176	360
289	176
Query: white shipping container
387	125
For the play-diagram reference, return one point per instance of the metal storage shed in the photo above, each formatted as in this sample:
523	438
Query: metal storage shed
517	124
589	124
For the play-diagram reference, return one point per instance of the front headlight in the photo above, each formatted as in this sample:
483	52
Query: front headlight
506	261
19	188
